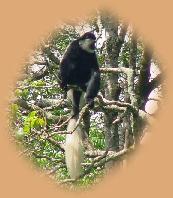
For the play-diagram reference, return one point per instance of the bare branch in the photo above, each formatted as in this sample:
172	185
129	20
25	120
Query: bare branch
100	161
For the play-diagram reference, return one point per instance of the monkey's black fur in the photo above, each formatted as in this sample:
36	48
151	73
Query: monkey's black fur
79	67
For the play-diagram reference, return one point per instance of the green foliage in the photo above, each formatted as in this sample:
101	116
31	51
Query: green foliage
97	137
32	121
37	83
15	111
101	59
62	38
125	54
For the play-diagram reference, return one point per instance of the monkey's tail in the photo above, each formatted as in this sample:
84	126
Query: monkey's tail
74	150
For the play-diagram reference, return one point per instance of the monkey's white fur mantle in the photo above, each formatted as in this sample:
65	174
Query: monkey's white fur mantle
74	150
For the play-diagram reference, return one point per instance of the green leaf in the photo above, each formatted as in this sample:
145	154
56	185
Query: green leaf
26	129
18	92
32	114
33	121
25	93
14	109
39	122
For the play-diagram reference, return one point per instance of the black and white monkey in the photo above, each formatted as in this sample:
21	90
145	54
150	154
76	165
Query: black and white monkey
79	67
80	70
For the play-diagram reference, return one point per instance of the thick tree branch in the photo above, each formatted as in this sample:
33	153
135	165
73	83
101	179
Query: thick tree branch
51	55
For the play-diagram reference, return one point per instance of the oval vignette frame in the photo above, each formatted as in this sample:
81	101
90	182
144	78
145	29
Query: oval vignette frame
146	166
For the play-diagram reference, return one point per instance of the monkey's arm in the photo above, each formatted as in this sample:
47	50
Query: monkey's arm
93	85
64	74
67	64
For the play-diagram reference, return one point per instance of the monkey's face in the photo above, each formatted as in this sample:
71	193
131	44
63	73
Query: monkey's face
87	42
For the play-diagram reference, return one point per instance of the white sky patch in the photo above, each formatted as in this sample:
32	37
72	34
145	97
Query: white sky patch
152	104
36	68
154	70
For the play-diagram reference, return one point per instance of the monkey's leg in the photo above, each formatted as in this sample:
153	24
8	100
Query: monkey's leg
86	121
92	88
75	96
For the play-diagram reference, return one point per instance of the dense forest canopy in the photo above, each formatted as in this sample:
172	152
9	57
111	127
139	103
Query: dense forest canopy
130	86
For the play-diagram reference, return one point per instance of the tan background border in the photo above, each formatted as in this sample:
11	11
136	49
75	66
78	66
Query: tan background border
23	25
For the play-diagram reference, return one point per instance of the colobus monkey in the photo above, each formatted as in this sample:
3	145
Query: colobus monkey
79	67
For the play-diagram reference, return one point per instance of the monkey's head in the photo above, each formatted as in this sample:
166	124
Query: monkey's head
87	42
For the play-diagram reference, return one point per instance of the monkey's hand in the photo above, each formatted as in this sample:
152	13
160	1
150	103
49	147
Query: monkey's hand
90	102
